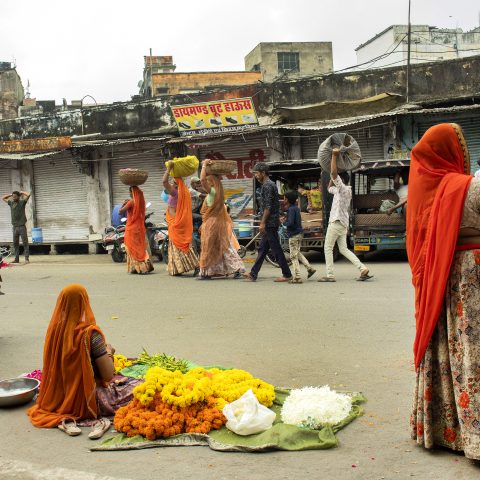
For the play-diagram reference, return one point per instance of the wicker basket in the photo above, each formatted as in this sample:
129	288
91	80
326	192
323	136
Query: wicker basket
133	176
221	167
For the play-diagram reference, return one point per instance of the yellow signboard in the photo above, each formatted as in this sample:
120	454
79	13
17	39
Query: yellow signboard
214	117
361	248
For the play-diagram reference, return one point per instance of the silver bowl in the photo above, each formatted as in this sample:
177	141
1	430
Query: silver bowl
17	391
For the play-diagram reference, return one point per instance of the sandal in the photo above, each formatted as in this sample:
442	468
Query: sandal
295	280
70	428
326	280
365	275
248	277
311	272
99	428
282	279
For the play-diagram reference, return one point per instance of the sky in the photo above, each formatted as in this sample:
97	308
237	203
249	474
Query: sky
70	48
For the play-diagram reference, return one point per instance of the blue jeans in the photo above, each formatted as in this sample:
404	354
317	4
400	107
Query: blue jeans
270	241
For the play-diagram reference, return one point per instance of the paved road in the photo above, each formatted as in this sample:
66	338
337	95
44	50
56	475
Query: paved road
350	335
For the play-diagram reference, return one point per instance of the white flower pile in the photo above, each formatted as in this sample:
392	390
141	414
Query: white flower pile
313	407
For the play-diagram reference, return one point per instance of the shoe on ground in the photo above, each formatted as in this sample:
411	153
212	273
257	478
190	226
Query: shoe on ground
295	280
16	261
27	261
326	280
311	272
248	277
282	279
2	293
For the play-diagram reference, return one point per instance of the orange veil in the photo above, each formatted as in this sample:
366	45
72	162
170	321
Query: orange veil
135	228
180	226
437	189
68	383
216	227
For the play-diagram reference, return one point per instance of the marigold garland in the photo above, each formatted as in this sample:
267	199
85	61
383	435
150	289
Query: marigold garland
161	420
169	403
120	362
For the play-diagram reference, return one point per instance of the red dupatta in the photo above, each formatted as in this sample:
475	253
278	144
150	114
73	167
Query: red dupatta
437	189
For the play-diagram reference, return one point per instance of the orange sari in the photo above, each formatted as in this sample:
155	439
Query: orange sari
68	382
135	229
180	226
216	230
437	190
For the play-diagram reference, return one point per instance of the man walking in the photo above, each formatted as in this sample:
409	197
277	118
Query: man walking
270	212
17	202
339	221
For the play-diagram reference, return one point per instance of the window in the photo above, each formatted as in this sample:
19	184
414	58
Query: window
288	62
162	90
256	67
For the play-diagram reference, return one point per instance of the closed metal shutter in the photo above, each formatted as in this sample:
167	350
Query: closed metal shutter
152	188
239	185
5	218
370	141
60	200
471	129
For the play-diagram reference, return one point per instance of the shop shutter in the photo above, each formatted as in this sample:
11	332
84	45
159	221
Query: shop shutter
5	218
238	186
152	188
471	129
60	200
370	140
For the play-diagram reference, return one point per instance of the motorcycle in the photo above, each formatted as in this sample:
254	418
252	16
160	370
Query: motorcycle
114	239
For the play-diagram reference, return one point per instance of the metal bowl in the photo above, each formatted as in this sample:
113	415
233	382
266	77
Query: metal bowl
17	391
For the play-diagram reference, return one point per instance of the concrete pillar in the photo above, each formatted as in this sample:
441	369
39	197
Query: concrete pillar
98	198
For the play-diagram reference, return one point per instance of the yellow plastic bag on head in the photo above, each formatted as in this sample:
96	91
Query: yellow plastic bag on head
184	166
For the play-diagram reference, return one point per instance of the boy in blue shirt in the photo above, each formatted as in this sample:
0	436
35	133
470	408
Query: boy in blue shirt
293	223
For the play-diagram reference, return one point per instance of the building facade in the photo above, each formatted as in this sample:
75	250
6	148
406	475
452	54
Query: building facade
428	44
160	78
277	59
11	91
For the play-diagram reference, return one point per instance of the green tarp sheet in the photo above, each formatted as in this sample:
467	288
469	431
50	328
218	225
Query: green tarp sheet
279	437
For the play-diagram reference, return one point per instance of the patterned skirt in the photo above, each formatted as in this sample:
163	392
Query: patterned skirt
181	262
446	407
229	264
134	266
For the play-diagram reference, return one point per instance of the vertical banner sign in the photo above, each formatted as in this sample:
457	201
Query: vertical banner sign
215	117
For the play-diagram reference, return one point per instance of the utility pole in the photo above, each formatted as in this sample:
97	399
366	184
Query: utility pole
151	74
409	39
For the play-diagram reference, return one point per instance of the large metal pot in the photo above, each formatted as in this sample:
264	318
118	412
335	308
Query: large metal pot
17	391
350	155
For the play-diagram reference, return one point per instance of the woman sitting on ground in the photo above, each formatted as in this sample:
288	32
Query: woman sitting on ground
77	370
138	260
182	258
219	257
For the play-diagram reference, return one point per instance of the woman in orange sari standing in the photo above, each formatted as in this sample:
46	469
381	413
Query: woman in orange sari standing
182	257
77	370
443	245
138	260
219	246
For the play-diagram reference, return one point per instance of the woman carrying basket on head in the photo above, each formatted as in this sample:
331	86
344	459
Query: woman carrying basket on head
182	258
138	260
443	245
219	257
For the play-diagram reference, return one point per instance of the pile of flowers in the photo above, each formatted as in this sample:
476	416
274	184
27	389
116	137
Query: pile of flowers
169	403
120	362
161	420
198	384
314	407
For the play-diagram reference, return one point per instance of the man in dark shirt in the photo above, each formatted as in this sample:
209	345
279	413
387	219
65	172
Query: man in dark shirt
270	212
17	202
